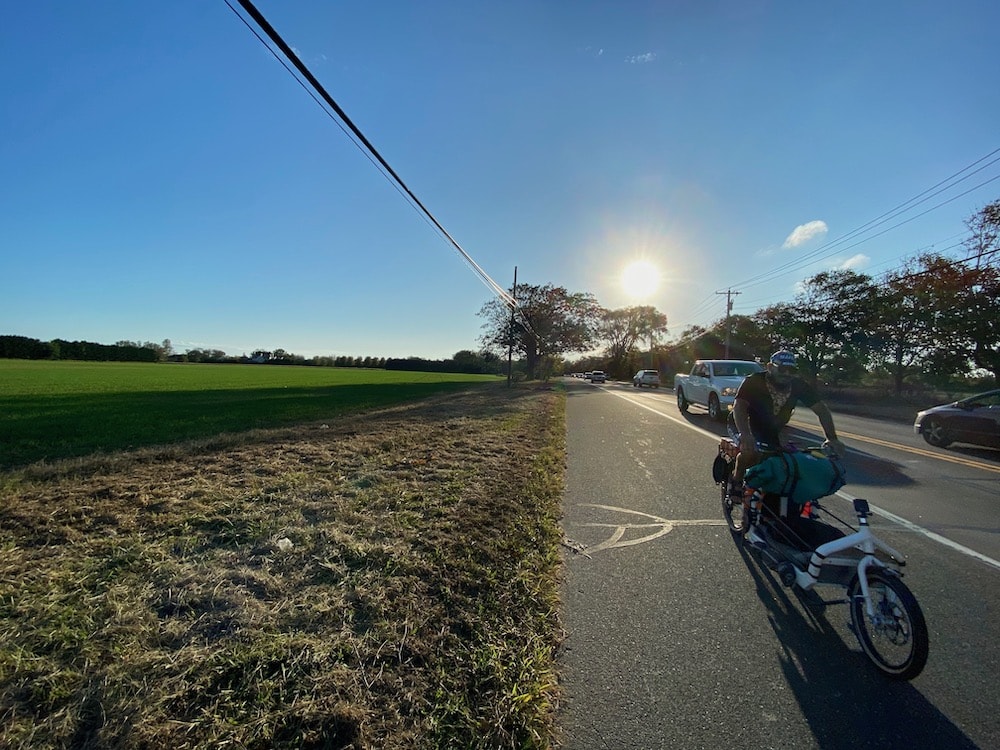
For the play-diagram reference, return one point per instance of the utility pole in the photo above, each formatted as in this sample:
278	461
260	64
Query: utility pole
729	309
510	333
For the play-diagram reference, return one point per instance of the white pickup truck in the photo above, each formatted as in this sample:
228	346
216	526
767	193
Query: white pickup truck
713	384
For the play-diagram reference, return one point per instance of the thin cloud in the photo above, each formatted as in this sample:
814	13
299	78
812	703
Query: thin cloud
647	57
805	232
857	261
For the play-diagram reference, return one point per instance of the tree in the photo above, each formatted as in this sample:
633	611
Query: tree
983	242
623	329
473	362
979	298
904	326
965	299
549	322
22	347
833	318
780	327
746	338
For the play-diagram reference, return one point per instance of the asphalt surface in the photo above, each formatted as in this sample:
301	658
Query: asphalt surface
677	638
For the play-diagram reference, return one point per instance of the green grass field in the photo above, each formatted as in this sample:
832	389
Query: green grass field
55	410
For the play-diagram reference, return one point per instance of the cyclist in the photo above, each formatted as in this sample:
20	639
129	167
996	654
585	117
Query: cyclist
763	406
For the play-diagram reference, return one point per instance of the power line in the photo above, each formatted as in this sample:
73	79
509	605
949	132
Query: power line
945	263
908	205
958	261
889	229
798	263
890	265
355	133
885	274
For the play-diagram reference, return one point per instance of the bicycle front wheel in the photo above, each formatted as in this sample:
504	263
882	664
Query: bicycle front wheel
895	637
735	512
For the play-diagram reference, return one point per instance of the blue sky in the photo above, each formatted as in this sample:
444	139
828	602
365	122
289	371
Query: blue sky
164	177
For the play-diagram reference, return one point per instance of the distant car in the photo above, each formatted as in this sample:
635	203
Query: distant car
586	375
974	420
646	377
598	376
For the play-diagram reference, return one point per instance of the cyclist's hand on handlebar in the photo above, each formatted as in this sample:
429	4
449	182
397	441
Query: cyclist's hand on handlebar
748	445
835	447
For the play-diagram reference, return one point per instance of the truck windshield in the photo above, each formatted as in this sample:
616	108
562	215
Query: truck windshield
736	368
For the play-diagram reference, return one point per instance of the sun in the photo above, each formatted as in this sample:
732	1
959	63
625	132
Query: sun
640	279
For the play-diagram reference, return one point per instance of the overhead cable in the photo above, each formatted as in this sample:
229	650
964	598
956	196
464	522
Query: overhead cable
946	184
290	55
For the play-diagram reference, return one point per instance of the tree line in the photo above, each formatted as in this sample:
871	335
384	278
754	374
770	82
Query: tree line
23	347
933	321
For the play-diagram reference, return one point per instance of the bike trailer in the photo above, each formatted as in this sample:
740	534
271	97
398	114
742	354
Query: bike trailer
801	476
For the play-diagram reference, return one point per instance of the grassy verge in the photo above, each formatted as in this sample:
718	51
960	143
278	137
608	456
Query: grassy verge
379	580
56	410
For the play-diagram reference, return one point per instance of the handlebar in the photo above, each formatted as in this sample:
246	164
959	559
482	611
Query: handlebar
767	449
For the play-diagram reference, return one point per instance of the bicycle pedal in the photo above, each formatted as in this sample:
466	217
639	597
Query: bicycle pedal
757	540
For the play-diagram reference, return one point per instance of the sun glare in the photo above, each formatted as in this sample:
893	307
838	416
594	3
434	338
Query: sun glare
640	279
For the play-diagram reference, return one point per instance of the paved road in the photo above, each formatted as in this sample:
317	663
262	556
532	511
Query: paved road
676	639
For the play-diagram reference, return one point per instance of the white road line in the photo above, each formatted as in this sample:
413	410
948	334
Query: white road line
933	536
910	526
682	422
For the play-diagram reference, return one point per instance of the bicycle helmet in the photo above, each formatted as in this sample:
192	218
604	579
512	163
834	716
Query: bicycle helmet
784	359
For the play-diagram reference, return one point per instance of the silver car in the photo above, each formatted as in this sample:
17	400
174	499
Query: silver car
646	377
973	420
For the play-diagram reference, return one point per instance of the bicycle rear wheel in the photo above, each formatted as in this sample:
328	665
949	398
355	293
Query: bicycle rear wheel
735	512
895	639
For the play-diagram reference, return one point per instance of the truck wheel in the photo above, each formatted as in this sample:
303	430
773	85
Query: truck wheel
682	403
714	407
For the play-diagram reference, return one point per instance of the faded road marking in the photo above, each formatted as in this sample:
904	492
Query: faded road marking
659	527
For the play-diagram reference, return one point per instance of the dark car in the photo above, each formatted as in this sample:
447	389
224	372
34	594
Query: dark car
973	420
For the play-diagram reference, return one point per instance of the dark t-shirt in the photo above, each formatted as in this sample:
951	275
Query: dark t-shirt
770	407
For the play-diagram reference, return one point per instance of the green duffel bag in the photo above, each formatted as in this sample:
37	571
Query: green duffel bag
801	476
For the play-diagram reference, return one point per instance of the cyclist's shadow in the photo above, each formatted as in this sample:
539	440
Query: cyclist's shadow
846	701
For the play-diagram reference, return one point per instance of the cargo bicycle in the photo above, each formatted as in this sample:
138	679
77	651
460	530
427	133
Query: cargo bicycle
802	545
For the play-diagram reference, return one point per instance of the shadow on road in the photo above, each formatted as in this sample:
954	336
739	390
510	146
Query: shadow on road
847	703
969	451
863	469
866	470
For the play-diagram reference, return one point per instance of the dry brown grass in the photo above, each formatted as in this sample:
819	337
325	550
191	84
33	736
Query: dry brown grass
385	580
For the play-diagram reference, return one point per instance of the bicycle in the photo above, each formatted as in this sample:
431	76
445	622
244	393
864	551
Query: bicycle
805	552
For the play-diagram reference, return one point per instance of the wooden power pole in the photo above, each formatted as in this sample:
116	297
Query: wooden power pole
729	309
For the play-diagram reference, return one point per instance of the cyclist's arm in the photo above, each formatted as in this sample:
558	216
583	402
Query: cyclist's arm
826	421
741	415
